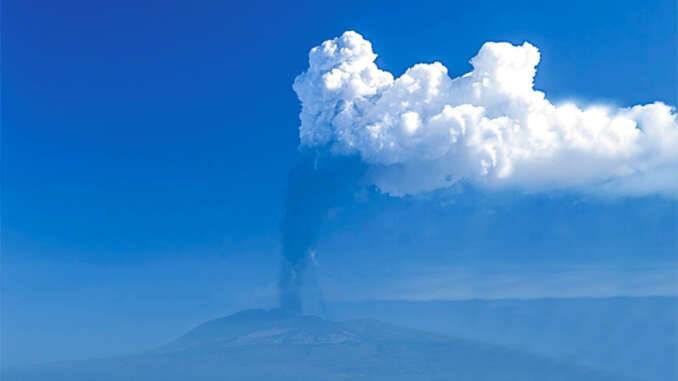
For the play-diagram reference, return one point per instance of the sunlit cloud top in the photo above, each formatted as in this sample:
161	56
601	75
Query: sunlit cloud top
425	130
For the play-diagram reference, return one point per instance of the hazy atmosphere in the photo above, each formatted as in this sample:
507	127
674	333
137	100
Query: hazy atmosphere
391	190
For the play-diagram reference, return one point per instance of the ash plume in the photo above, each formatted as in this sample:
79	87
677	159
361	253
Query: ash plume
316	185
424	131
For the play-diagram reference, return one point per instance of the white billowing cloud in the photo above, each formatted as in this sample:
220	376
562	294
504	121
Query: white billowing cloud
424	130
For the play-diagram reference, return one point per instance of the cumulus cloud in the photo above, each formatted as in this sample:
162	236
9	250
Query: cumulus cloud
425	130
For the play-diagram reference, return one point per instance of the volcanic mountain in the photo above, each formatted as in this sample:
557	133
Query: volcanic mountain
277	345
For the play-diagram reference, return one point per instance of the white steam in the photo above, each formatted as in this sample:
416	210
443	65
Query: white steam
424	130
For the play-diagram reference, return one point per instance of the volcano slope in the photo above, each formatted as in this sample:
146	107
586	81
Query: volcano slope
276	345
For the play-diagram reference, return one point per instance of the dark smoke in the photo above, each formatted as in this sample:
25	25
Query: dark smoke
314	186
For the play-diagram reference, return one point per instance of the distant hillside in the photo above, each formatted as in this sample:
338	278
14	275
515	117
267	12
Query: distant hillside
274	345
636	337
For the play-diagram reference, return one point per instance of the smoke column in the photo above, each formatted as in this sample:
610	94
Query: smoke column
425	130
314	186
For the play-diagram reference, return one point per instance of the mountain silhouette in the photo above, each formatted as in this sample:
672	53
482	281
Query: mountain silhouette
278	345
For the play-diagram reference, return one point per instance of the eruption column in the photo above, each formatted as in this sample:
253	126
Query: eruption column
314	186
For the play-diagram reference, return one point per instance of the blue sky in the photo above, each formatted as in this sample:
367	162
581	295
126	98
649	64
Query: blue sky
146	145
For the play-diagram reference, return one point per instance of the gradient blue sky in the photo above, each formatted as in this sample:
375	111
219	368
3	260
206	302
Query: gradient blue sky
145	147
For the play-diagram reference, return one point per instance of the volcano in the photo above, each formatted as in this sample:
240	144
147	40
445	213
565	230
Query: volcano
280	345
